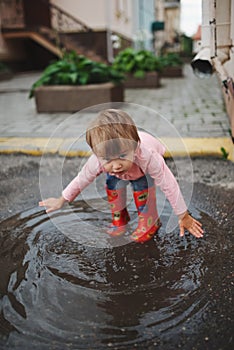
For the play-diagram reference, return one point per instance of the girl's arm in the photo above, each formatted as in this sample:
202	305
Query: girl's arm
88	173
167	182
187	222
53	204
86	176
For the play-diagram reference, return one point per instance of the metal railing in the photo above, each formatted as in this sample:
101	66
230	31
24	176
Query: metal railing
63	21
12	16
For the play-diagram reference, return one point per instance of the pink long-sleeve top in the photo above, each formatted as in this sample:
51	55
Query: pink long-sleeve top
148	159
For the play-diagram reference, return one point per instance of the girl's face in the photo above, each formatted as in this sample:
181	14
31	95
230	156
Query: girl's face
119	163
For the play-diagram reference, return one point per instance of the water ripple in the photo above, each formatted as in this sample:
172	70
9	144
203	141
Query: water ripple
63	293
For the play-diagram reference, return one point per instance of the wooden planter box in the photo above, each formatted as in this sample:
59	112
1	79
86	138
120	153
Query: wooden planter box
150	80
172	72
68	98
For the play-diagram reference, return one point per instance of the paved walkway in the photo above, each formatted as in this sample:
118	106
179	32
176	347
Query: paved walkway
188	108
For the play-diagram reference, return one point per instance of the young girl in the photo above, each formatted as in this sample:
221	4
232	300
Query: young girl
126	155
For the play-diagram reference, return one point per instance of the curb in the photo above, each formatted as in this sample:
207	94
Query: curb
71	147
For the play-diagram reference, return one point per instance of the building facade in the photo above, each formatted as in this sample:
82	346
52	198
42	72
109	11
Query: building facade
103	26
167	26
217	48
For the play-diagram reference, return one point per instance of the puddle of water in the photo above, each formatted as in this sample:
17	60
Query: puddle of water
75	296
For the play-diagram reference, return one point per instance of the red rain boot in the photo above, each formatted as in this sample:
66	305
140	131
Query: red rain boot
120	216
148	220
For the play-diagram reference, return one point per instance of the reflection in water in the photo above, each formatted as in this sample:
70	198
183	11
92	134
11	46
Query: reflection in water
75	296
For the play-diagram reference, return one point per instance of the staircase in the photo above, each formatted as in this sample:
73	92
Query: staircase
57	39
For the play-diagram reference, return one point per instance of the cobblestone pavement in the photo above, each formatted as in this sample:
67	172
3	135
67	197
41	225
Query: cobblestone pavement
187	106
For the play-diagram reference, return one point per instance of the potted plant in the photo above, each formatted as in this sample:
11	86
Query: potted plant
75	82
141	68
172	65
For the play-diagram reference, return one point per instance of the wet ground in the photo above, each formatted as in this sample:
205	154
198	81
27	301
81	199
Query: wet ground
58	292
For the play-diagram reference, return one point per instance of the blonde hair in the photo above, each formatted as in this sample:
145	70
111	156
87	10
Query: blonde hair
110	132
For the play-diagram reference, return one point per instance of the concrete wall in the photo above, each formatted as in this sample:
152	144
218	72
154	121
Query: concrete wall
12	13
3	50
11	50
218	37
13	10
229	65
102	14
130	18
229	68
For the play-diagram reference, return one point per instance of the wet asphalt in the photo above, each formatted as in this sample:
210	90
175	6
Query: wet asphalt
194	278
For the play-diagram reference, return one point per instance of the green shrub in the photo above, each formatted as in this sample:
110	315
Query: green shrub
170	60
136	62
74	69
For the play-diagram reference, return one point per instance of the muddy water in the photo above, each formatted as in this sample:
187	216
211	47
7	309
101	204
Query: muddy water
57	293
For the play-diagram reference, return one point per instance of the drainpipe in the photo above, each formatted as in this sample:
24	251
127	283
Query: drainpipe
212	55
213	29
218	57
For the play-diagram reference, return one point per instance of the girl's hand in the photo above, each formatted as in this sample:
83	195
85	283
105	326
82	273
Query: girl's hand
187	222
52	204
